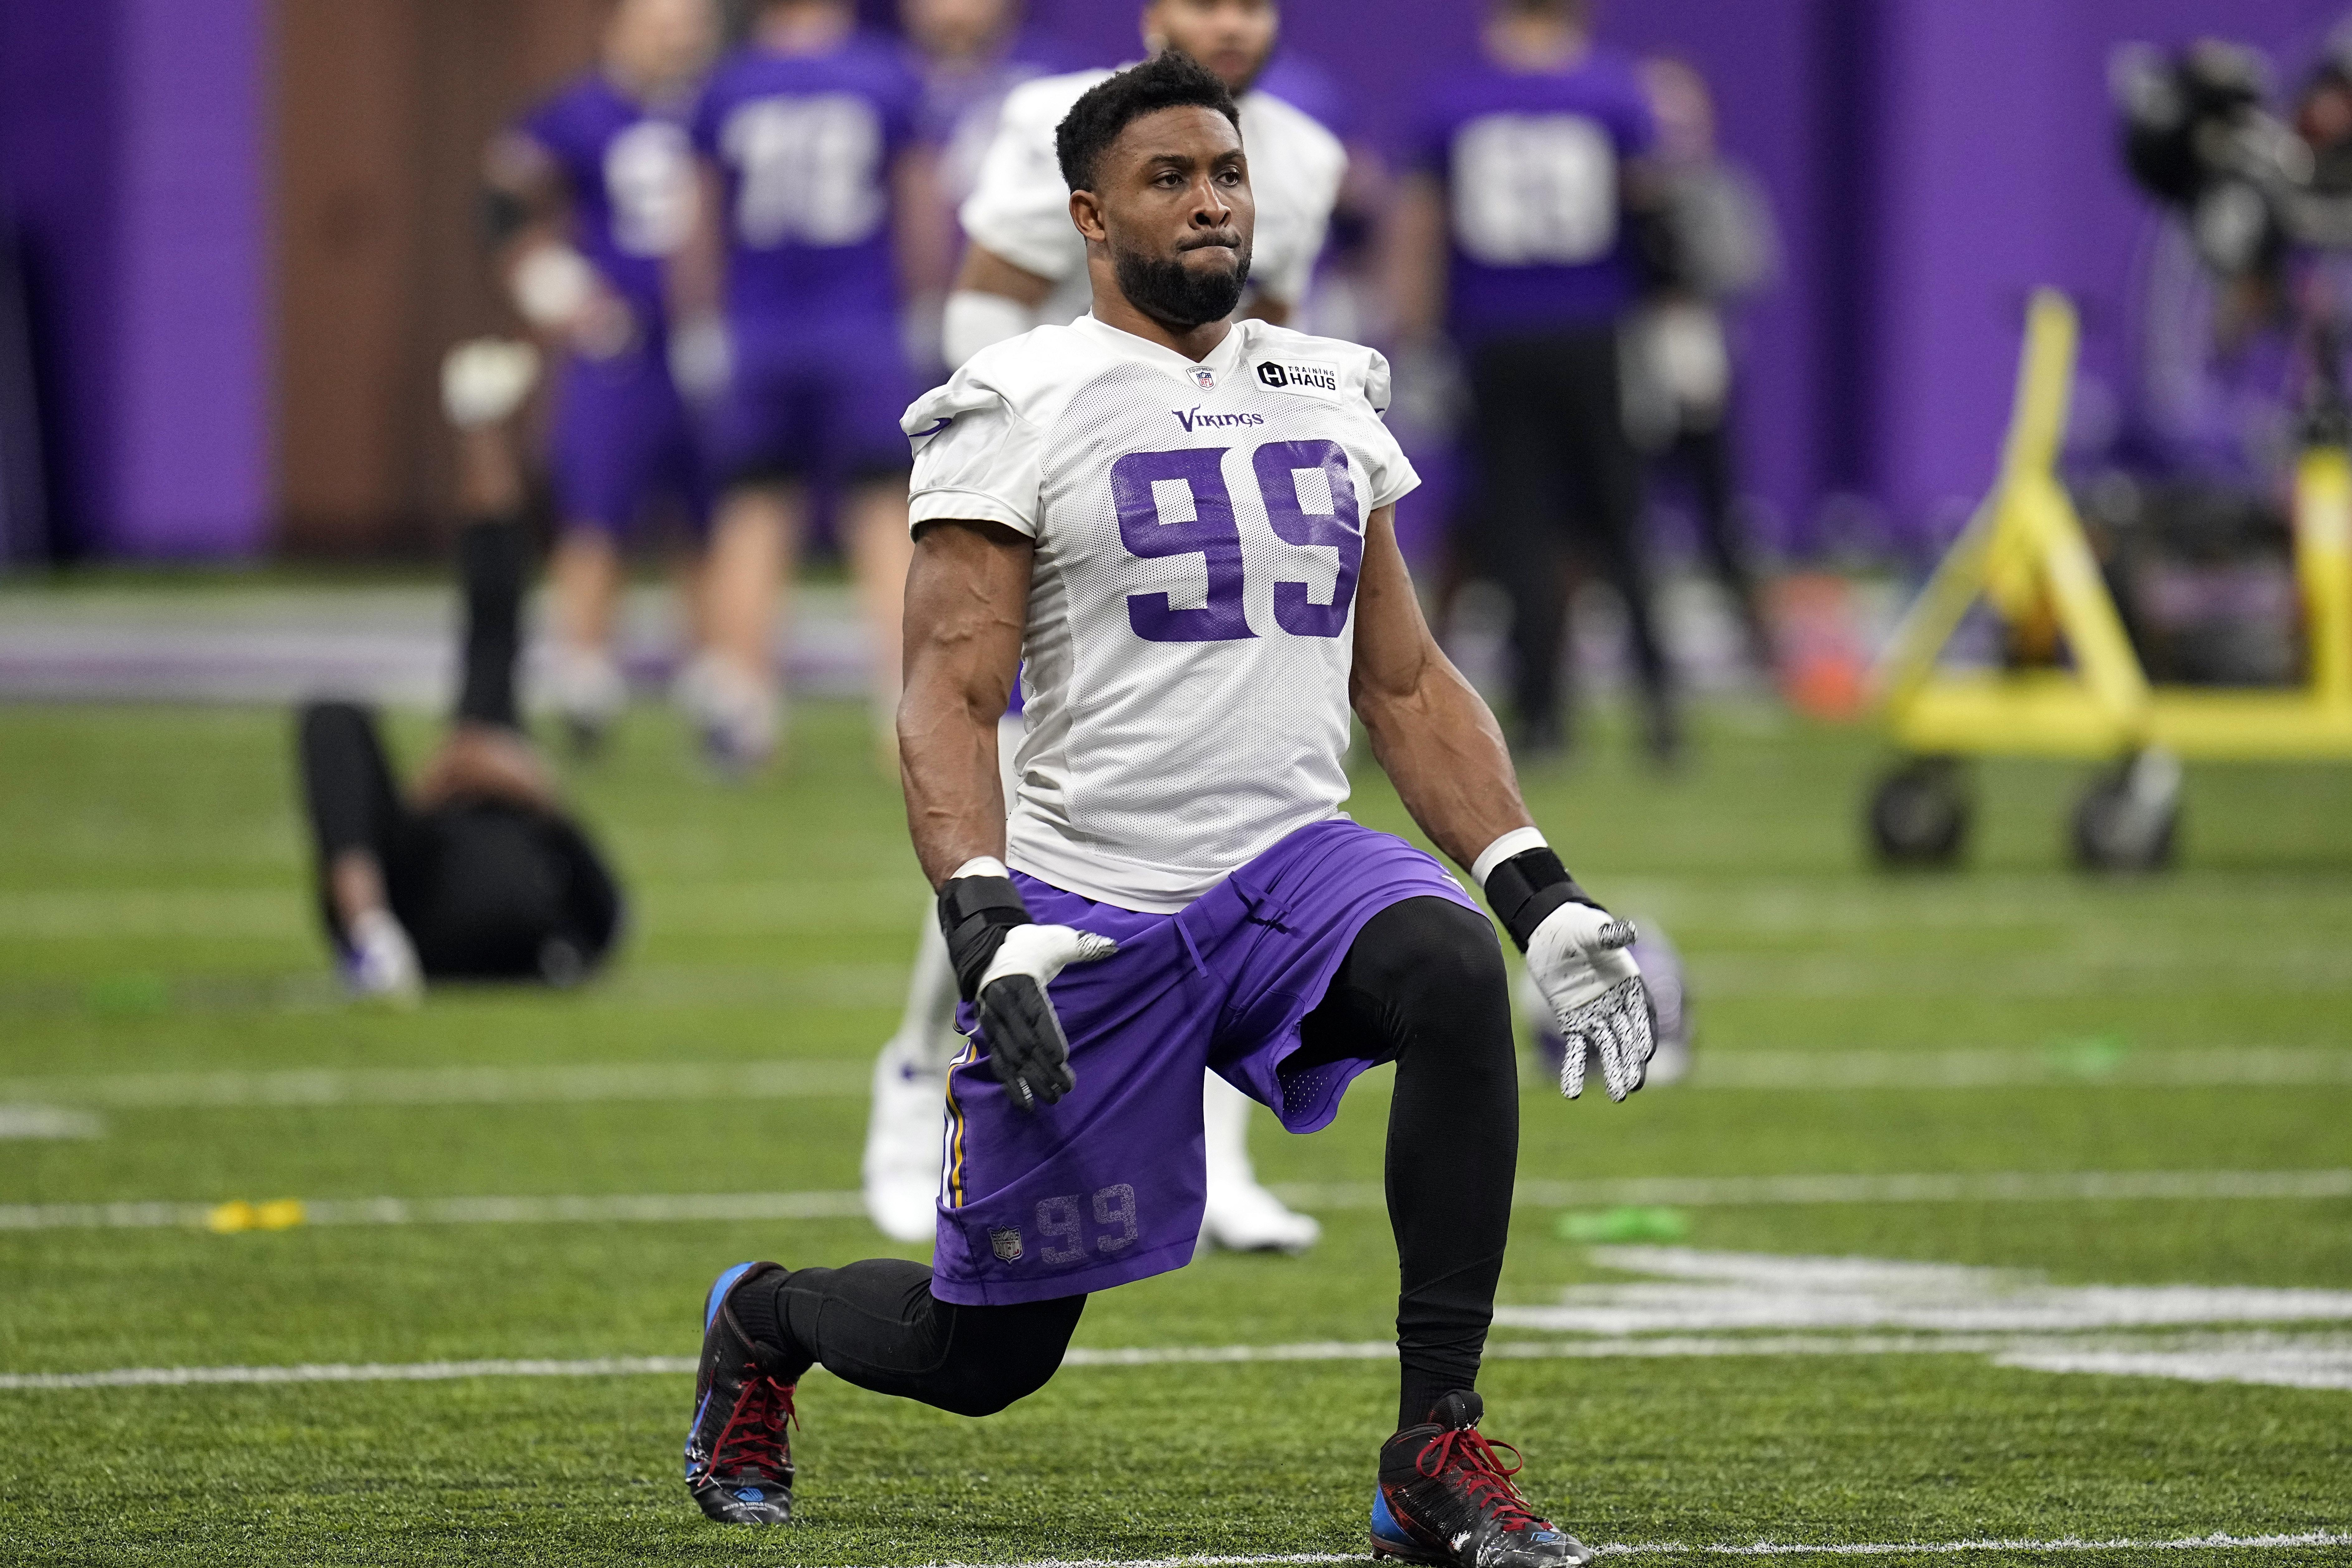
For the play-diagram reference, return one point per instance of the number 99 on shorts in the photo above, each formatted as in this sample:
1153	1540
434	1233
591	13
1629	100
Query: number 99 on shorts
1064	1233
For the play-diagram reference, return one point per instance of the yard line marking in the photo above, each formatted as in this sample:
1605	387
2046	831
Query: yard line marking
1688	1192
785	1079
1982	1186
840	1078
1995	1069
2290	1369
2261	1358
396	1371
1689	1290
2216	1541
48	1121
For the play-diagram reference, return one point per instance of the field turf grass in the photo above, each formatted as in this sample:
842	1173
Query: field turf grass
153	919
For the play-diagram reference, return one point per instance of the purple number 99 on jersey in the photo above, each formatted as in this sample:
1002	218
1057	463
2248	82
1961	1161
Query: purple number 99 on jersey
1194	480
1280	466
1210	532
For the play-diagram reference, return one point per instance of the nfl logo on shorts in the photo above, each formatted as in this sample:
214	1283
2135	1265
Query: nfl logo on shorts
1006	1240
1204	378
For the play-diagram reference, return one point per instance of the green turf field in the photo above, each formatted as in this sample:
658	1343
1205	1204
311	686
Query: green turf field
2129	1084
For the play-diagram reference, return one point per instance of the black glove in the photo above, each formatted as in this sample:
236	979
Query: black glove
1003	961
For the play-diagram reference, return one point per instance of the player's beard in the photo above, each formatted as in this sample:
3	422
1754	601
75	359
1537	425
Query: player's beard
1175	296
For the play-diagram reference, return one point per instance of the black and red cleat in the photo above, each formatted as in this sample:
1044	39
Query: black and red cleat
739	1455
1444	1499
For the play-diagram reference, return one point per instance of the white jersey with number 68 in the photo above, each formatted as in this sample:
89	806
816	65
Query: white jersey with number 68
1199	531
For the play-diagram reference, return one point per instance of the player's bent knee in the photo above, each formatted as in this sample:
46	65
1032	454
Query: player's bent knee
1435	953
1004	1354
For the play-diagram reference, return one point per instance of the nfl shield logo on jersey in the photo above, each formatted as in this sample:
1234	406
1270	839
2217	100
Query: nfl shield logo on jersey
1204	378
1006	1240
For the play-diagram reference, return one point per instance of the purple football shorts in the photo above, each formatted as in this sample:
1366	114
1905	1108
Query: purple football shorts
814	408
1106	1186
623	444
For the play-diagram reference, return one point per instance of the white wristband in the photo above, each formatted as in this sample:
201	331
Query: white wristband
975	319
1518	841
981	866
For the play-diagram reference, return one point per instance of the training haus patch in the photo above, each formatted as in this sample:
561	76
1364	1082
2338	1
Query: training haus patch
1006	1240
1314	380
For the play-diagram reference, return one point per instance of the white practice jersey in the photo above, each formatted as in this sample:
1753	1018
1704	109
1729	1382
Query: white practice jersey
1192	612
1020	210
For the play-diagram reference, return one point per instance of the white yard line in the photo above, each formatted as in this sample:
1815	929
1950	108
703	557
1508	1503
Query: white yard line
2253	1066
1981	1186
18	1122
396	1371
2214	1542
1690	1192
827	1079
2213	1358
835	1078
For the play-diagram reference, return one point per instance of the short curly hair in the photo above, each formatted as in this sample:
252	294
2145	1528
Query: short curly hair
1167	80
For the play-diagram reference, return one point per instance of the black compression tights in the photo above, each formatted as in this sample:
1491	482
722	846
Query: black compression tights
1423	985
878	1325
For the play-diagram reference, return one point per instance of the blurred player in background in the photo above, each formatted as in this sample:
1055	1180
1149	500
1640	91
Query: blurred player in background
1516	231
1026	265
476	872
814	227
588	198
1717	245
1024	252
969	54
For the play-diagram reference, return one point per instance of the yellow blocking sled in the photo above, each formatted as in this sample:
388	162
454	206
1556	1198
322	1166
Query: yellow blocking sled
2025	553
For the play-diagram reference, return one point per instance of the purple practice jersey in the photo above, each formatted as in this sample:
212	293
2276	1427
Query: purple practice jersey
631	178
806	145
1531	163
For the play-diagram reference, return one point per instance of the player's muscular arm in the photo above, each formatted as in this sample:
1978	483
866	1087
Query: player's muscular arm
1429	727
967	601
1442	749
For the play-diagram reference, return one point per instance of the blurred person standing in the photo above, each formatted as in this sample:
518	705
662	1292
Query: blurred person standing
813	232
1025	263
1025	251
969	54
587	198
1516	232
1717	244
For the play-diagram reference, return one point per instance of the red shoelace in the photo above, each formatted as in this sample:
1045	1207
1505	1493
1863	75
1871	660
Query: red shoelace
754	1428
1483	1476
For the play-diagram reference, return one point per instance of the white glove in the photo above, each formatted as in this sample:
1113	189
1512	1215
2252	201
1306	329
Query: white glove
484	380
381	963
1041	952
1577	958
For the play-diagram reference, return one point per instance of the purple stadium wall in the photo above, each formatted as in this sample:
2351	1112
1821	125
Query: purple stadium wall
1931	161
133	151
